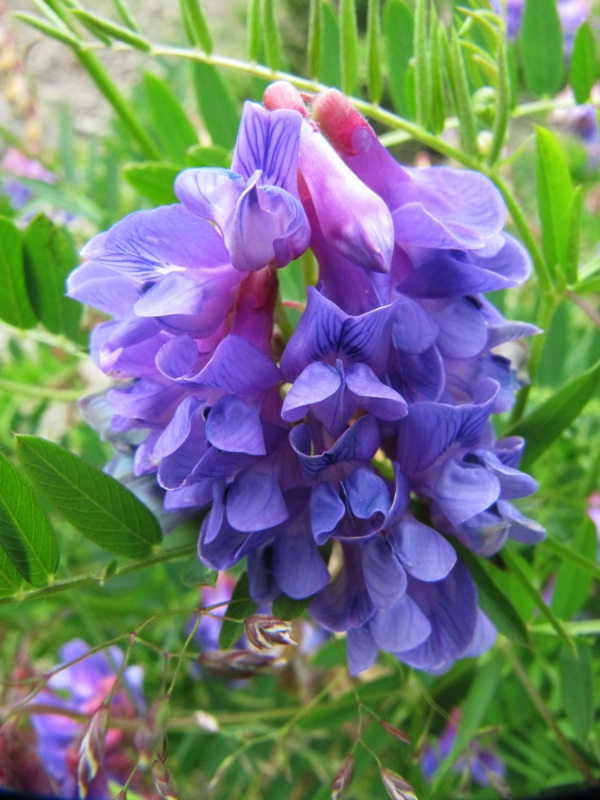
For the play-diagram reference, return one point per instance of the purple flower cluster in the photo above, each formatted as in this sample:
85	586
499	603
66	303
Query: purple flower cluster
82	687
313	458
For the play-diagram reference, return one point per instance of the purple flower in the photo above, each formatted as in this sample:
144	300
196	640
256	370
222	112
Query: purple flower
481	764
82	687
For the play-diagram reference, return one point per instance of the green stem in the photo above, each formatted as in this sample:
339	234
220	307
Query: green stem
40	392
45	337
99	579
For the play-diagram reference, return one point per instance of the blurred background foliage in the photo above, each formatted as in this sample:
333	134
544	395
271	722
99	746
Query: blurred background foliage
440	83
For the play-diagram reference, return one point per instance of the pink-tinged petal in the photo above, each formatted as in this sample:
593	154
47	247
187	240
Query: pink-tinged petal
269	141
234	426
255	502
211	194
354	221
423	552
315	384
374	396
401	627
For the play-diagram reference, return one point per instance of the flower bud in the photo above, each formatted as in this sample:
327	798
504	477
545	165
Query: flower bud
343	777
265	631
397	787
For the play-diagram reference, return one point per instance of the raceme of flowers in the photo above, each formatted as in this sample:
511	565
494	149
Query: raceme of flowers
312	455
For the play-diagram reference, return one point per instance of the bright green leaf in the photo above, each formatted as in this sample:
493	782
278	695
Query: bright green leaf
373	50
49	258
253	27
541	48
26	536
48	29
124	12
271	35
546	422
493	601
584	62
154	180
574	576
422	64
287	608
398	26
15	307
315	37
171	124
240	607
105	28
96	504
195	573
329	69
577	688
555	197
196	20
348	46
10	580
215	105
573	239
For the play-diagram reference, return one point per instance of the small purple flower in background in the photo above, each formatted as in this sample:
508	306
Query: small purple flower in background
83	687
17	165
478	763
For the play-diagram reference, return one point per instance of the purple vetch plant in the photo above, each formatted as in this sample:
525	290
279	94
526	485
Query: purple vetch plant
343	467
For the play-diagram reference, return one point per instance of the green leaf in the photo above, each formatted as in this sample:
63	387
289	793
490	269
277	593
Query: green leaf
195	573
438	104
348	46
106	28
513	562
541	48
555	197
97	505
462	96
198	25
329	70
422	64
577	688
15	307
315	37
584	63
49	258
493	601
373	54
253	26
503	103
26	536
398	27
10	580
64	197
546	422
213	156
154	180
271	36
240	607
215	105
48	29
572	255
578	567
171	124
124	12
287	608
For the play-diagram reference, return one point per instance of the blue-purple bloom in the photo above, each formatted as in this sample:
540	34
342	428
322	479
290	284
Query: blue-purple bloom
343	463
82	686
